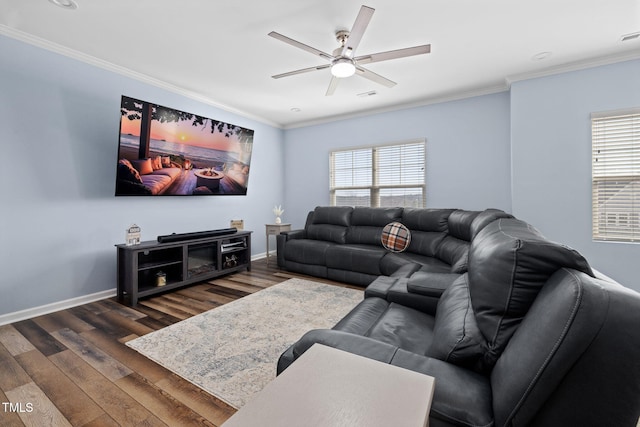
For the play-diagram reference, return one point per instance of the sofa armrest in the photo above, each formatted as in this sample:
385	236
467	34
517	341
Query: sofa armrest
461	396
281	241
294	234
356	344
430	284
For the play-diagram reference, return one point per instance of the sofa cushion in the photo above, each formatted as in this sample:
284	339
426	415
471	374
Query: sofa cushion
454	252
454	248
156	183
459	224
426	219
509	262
144	166
456	337
390	323
394	261
376	217
335	215
367	223
172	173
364	235
327	232
358	258
307	251
329	223
425	242
395	237
404	327
156	162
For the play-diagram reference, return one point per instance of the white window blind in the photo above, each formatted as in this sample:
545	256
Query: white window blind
379	176
616	175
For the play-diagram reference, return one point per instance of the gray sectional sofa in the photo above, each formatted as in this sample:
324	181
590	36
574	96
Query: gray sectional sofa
526	333
344	243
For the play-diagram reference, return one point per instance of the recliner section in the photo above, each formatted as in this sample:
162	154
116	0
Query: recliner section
527	336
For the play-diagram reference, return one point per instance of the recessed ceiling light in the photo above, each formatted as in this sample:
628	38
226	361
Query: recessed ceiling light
631	36
540	56
67	4
296	110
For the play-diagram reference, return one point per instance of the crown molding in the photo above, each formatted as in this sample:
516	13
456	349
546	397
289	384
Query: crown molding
573	66
455	96
123	71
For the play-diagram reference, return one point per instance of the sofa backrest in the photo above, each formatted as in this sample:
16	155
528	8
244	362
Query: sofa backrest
454	248
367	224
485	218
329	223
574	359
462	227
509	262
428	228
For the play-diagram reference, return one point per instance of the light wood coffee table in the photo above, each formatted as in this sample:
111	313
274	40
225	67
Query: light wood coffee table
329	388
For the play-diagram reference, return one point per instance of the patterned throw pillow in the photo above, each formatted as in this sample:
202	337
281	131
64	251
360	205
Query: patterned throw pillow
395	237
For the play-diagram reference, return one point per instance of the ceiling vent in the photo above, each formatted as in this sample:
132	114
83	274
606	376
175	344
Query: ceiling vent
631	36
367	94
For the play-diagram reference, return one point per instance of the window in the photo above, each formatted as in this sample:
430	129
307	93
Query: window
616	175
390	175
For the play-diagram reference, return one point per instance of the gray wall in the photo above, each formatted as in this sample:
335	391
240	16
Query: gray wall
551	158
468	163
59	123
526	151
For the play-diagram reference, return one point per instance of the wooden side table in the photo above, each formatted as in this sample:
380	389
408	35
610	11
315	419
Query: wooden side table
326	387
275	229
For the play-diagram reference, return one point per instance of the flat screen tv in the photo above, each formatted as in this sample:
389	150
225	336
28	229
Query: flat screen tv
168	152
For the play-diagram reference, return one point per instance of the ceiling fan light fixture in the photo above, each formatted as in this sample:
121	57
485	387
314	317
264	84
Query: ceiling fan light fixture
343	67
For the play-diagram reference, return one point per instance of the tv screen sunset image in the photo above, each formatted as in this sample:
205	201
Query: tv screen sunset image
163	151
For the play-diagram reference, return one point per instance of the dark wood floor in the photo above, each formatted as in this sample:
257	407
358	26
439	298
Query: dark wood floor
73	368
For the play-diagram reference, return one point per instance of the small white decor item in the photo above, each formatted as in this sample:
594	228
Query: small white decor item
133	235
278	211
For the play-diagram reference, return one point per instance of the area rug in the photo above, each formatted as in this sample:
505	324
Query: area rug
231	351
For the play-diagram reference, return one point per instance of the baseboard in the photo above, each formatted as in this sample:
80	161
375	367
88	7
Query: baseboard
56	306
74	302
261	256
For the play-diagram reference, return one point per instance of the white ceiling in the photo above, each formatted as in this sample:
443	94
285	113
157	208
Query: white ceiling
219	51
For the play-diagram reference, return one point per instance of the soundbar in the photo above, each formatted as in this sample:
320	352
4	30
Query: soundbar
173	237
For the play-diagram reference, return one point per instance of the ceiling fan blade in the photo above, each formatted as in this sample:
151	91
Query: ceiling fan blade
333	84
356	33
375	77
393	54
299	45
302	71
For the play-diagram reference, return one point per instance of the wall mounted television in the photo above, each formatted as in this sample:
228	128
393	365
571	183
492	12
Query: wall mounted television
167	152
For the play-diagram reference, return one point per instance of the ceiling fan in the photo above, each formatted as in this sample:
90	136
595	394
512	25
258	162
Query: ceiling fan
343	62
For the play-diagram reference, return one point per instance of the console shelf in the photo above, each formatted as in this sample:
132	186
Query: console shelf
179	263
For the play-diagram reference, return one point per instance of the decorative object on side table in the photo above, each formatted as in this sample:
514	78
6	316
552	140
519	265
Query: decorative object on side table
133	235
278	211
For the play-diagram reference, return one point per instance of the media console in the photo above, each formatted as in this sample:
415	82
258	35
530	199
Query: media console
152	267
